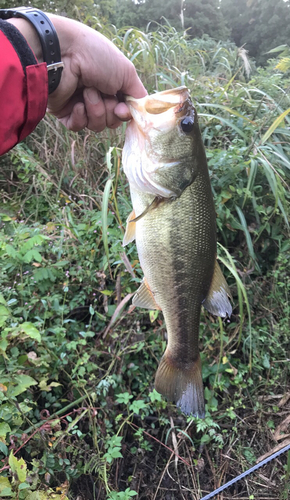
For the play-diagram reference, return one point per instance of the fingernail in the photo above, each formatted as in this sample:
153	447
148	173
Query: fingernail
93	95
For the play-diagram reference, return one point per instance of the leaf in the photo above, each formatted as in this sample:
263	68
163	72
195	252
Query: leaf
117	313
123	397
277	49
131	493
4	429
32	255
4	484
44	273
244	227
30	330
24	486
284	64
226	108
4	314
227	122
36	495
11	251
266	362
109	159
242	293
37	239
105	203
24	381
11	302
107	292
62	263
274	125
155	396
6	218
115	453
112	453
137	405
153	315
3	347
44	386
4	450
2	300
18	467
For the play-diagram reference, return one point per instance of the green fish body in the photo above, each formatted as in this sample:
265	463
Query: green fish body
173	223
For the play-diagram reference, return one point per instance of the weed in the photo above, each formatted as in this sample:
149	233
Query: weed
78	412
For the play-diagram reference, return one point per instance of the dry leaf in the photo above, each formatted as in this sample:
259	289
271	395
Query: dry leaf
274	450
280	430
284	400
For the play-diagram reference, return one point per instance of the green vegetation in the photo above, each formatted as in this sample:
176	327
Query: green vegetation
257	25
78	413
197	17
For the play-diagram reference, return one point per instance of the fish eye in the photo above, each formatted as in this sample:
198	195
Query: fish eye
187	124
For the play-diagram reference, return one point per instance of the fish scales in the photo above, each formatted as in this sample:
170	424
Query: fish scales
176	243
180	260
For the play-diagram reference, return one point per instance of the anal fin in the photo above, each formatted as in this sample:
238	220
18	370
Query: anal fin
144	297
129	235
217	300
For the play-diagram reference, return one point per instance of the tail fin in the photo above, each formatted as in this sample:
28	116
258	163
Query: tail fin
182	385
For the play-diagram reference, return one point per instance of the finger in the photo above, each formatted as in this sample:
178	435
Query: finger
62	107
122	112
77	119
112	120
95	109
132	84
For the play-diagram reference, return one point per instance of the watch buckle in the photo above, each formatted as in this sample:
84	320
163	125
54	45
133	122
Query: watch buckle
55	66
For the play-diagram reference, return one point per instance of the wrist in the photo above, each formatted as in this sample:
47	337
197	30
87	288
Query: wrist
67	32
30	34
41	32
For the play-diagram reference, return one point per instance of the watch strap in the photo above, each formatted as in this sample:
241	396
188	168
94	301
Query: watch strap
48	39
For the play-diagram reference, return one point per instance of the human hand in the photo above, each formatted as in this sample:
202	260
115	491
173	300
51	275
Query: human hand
95	76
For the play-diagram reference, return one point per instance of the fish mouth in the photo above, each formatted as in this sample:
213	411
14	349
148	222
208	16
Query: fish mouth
161	101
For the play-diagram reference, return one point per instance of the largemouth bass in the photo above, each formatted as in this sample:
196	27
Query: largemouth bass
174	225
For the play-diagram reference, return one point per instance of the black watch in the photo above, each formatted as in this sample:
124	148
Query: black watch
48	39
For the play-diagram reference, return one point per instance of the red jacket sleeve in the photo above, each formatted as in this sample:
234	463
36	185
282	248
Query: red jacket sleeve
23	88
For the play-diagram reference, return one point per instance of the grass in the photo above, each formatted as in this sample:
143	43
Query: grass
77	364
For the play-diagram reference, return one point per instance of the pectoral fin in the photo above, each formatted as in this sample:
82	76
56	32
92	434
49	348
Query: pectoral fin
217	300
130	229
144	297
157	200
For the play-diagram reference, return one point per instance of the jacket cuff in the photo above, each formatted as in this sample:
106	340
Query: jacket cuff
23	87
21	47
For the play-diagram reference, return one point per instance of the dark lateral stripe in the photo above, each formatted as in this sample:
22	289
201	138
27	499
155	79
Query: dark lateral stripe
24	52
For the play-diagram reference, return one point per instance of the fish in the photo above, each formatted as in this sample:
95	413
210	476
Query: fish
173	223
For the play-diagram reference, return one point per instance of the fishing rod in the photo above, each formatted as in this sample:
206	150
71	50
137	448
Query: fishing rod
246	473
